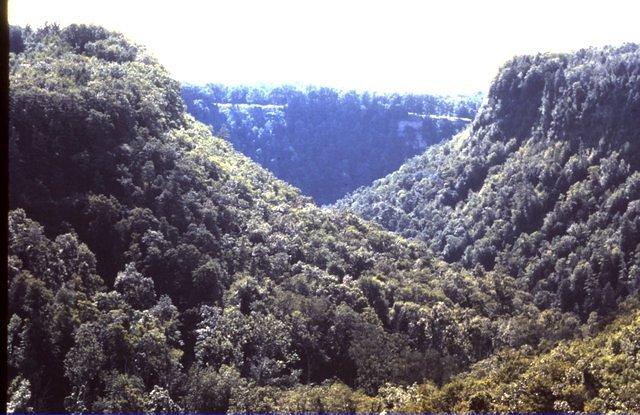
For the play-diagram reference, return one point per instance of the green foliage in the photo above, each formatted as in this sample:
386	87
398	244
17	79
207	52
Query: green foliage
544	185
136	290
207	284
159	402
597	375
259	276
210	390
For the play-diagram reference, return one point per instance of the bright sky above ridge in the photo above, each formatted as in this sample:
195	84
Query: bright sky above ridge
444	47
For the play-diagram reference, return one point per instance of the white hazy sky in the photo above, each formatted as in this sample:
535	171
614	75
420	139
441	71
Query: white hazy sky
448	46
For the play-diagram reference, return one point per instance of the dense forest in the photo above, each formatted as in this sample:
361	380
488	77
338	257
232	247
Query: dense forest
325	142
544	185
153	268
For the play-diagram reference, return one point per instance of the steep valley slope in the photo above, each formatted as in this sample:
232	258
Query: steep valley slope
543	186
153	268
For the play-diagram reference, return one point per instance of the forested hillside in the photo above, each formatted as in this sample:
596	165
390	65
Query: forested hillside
543	186
153	268
326	142
600	374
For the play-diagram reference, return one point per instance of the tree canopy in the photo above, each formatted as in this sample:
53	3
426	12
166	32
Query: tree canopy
153	268
543	186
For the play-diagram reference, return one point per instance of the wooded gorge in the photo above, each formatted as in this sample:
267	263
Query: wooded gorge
154	268
326	142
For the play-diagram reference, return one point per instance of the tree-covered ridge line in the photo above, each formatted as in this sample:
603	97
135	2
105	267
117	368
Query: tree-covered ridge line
175	215
324	141
154	268
544	186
